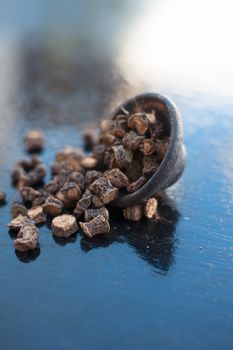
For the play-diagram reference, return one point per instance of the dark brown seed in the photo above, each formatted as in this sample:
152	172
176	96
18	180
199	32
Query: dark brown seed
89	162
140	122
18	209
151	209
89	137
147	147
64	225
53	206
40	199
132	140
104	190
117	178
90	214
134	186
92	175
37	215
150	165
96	226
29	194
2	197
133	213
71	191
19	222
34	140
27	238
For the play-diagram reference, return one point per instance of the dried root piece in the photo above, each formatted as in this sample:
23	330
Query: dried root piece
105	125
92	175
140	122
97	202
161	147
104	190
19	222
64	225
119	126
89	162
132	140
29	194
27	238
2	197
107	139
18	209
37	215
92	213
134	186
96	226
34	140
117	178
78	178
71	191
147	147
53	206
151	209
133	213
83	204
150	165
28	172
89	137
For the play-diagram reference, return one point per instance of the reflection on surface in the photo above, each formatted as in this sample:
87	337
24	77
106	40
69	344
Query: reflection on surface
152	241
63	241
28	256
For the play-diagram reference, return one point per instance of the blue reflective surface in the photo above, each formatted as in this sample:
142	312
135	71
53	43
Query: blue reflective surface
147	285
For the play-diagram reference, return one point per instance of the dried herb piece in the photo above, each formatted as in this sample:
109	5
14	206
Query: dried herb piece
105	125
96	226
150	165
151	209
64	225
2	197
97	202
83	204
107	139
34	140
119	126
134	186
89	138
29	194
147	147
133	213
132	140
52	186
18	209
41	198
27	238
92	175
78	178
53	206
103	188
19	222
71	191
90	214
37	215
89	162
161	147
117	178
140	122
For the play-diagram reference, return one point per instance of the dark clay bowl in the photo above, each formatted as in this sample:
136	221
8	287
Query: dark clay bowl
173	163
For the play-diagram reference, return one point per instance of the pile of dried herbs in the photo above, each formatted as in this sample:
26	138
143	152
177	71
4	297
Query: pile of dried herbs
121	158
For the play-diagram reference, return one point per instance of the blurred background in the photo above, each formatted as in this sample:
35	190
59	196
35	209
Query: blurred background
167	285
